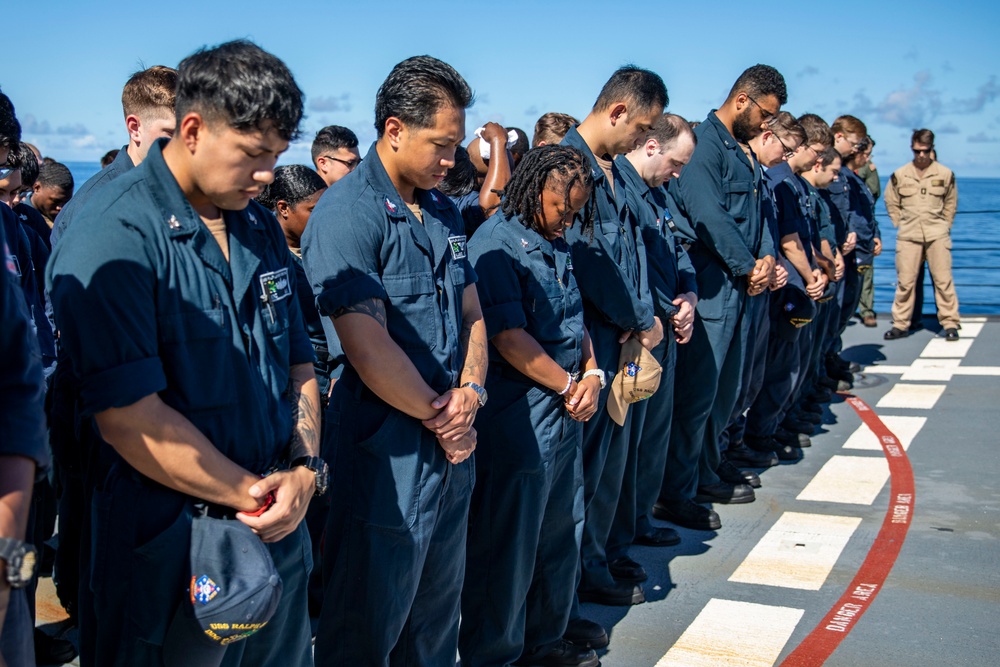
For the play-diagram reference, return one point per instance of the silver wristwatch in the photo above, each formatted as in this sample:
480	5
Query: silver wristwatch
597	372
480	391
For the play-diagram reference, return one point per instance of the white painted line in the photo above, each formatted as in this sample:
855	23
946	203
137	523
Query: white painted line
971	329
912	396
854	480
951	349
978	370
884	370
799	551
973	319
728	633
904	428
939	370
918	366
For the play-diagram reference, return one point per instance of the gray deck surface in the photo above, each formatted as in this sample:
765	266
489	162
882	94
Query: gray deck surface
941	602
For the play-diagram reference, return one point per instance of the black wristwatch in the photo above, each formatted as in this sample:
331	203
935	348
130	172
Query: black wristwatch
19	559
480	391
318	467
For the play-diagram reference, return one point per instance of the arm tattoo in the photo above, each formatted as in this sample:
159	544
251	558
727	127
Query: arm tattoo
473	351
305	424
374	308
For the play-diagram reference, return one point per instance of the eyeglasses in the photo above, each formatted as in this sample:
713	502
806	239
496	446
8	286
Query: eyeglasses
350	164
922	151
763	112
788	151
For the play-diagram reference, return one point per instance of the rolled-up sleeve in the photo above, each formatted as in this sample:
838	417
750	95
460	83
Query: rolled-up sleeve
500	291
341	251
102	286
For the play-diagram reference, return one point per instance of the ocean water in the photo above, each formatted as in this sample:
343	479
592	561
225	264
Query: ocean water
975	247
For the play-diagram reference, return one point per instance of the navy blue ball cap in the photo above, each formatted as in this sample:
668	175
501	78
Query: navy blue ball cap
233	592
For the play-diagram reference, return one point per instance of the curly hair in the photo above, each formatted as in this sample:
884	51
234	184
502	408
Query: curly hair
547	167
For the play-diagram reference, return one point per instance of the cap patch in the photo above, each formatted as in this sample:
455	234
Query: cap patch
203	589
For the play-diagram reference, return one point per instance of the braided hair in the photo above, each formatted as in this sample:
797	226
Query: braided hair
292	183
548	166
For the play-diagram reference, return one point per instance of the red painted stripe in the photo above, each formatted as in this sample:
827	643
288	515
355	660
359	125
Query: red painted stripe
841	619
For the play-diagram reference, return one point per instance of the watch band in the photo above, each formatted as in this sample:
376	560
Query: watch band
480	391
19	559
598	373
318	467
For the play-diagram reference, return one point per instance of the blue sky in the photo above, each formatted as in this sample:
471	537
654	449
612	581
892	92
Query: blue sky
896	65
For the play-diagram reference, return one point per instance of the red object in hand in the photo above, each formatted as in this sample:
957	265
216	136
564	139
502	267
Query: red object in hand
268	501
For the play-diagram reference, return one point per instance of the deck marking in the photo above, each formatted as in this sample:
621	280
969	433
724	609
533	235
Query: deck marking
946	349
912	396
921	366
799	551
853	480
971	329
923	370
727	632
841	619
973	319
904	428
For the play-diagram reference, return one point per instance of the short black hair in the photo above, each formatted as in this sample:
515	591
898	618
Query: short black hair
27	163
109	157
567	166
292	183
242	85
760	81
460	179
416	89
521	145
331	138
10	129
640	86
56	174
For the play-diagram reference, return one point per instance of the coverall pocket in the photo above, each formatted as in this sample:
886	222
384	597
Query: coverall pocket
738	199
100	519
160	572
545	302
387	477
414	316
191	341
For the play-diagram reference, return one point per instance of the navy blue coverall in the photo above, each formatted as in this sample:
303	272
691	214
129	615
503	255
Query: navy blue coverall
394	556
611	273
146	303
527	508
669	273
718	201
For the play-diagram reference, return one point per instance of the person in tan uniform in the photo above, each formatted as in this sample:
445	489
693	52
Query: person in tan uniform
921	199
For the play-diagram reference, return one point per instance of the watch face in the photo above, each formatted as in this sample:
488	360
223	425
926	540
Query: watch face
27	569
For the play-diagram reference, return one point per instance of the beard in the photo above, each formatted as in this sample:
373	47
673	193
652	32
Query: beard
743	129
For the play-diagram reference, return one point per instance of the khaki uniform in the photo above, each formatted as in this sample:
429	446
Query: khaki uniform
922	208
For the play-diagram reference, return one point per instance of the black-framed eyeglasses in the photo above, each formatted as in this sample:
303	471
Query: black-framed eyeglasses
350	164
788	151
763	112
922	151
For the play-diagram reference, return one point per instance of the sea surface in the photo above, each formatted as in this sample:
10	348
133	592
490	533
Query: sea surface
975	247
